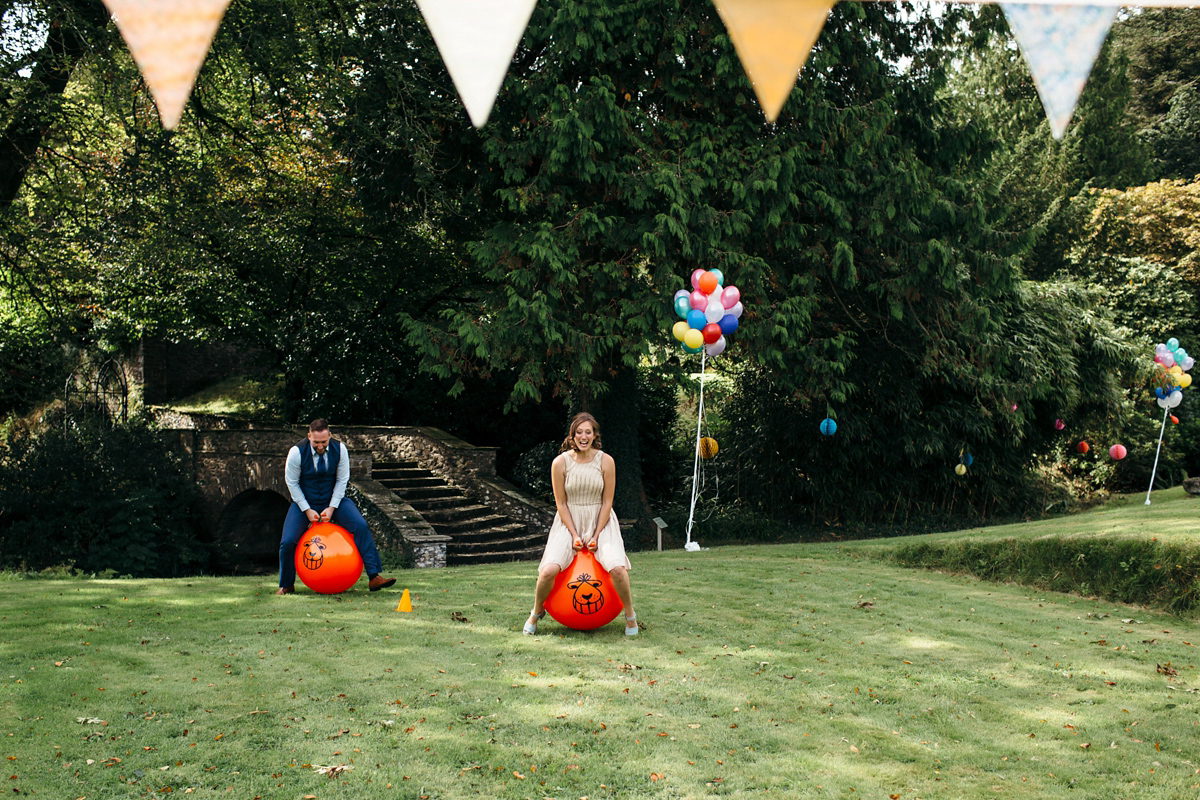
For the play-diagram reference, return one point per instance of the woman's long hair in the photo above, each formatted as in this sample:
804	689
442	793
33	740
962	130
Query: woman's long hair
580	418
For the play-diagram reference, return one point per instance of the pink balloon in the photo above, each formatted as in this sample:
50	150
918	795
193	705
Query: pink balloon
1117	452
699	300
736	310
730	296
696	273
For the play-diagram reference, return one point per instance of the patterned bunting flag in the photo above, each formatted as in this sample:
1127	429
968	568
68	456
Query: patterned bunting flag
1060	43
169	40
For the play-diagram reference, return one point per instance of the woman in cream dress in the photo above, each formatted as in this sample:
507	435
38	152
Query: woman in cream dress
584	479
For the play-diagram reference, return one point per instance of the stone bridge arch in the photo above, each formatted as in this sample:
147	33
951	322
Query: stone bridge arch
240	470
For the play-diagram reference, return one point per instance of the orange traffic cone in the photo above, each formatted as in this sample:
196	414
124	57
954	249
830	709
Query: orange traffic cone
405	602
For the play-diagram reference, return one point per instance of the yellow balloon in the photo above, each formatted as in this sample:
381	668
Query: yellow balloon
1185	380
1176	370
961	469
679	330
693	338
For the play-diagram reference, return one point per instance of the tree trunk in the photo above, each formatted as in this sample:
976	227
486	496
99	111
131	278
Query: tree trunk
619	416
39	105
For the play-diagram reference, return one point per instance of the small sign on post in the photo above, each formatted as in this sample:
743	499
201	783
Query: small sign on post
658	521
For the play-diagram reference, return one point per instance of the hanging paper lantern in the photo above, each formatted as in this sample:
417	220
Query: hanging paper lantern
828	427
708	447
1116	452
1083	447
961	469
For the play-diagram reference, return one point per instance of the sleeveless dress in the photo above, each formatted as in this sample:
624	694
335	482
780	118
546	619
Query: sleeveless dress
584	487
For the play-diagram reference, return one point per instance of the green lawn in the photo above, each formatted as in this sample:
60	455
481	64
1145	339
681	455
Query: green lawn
789	670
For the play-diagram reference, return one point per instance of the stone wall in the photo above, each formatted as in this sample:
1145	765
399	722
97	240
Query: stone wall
397	527
228	458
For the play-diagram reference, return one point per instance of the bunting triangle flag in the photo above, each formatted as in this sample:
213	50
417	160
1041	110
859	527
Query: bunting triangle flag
477	39
1060	43
169	40
772	38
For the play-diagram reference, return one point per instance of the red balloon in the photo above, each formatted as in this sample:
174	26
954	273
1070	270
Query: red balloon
712	332
1082	447
583	596
1174	420
707	283
327	560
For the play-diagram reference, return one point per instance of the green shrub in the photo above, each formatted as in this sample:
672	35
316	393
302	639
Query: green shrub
98	499
1124	570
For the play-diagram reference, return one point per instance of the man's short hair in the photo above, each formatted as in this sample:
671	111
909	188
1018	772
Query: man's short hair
318	425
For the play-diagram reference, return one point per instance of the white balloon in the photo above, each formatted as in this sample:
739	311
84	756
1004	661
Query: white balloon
1162	402
1188	363
1175	399
715	310
716	348
736	311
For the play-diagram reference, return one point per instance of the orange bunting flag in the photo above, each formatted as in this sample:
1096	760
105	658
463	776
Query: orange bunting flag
772	38
169	40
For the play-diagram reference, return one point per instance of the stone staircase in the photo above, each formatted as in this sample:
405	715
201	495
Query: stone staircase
478	534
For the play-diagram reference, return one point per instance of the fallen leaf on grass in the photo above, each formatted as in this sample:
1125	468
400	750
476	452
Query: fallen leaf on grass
90	721
1166	669
656	776
458	617
340	733
331	771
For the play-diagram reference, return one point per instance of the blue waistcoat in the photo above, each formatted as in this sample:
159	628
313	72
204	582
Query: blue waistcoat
318	486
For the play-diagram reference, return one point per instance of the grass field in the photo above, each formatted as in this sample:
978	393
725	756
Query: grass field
789	670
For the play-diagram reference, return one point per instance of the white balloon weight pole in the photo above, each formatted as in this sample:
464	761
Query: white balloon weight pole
1154	471
690	545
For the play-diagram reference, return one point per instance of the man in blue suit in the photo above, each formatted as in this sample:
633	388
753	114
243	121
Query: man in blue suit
316	474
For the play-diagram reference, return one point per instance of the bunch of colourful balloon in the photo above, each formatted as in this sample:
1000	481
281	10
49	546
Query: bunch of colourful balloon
1173	364
708	313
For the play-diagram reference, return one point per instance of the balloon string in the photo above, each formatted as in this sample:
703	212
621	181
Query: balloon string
696	462
1154	471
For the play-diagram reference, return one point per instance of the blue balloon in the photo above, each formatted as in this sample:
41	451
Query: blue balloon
720	276
728	324
682	306
968	459
696	319
692	350
1172	343
828	427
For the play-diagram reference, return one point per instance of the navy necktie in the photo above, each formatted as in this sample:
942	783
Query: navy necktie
321	463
